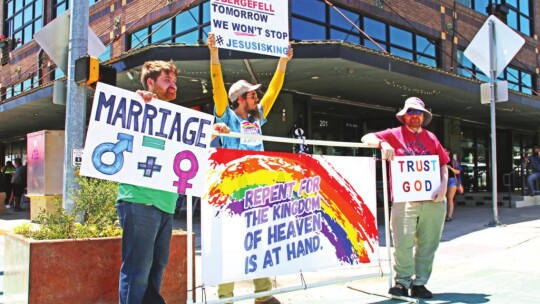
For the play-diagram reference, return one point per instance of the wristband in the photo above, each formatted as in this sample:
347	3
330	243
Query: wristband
380	145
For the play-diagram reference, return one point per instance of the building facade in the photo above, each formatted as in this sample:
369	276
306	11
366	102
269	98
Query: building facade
355	63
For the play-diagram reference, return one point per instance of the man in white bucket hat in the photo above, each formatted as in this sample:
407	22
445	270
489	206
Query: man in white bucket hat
242	112
416	226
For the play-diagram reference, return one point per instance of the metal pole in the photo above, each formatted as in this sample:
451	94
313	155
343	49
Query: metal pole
387	222
76	98
189	219
492	65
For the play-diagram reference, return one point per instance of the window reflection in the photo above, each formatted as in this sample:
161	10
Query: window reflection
188	27
312	24
316	11
22	18
518	80
304	30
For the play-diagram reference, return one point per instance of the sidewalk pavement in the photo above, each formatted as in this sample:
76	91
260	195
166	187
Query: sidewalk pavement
475	263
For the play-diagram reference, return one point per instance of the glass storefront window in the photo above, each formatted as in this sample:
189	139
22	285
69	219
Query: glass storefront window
106	55
304	30
401	37
189	38
188	27
481	6
475	159
401	53
518	80
316	11
139	38
23	19
424	46
187	20
161	32
339	35
519	16
337	20
312	24
206	12
375	29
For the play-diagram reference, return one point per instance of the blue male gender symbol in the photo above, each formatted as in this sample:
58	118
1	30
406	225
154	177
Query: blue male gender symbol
150	166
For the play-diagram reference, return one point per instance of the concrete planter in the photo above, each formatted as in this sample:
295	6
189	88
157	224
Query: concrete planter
80	271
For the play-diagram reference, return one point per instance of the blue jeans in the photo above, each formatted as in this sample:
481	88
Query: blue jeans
145	251
530	179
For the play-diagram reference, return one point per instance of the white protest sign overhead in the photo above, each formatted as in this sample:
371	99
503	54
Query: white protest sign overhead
251	26
507	44
415	178
158	144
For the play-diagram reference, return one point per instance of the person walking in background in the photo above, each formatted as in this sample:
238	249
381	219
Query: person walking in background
533	162
242	112
146	214
18	184
7	171
454	181
416	226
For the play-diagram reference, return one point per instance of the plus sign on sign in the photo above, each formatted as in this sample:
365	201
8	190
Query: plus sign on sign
506	43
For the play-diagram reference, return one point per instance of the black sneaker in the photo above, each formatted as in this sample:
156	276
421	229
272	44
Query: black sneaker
421	292
399	290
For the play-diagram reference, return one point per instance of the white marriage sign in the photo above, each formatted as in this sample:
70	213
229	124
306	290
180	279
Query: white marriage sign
251	26
415	178
158	144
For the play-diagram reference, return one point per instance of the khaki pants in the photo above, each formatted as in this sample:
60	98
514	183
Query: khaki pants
416	230
226	290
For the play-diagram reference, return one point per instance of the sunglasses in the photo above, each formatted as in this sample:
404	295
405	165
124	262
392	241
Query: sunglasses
412	111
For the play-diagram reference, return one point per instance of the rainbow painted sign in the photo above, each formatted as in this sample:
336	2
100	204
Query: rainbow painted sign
269	213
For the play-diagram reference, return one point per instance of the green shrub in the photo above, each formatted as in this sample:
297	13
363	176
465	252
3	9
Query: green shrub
94	201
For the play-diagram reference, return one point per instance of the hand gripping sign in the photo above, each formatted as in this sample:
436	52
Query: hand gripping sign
415	178
158	144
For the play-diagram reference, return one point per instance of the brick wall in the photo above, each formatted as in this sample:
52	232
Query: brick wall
429	18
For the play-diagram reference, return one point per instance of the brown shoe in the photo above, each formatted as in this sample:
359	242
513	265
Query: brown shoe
272	300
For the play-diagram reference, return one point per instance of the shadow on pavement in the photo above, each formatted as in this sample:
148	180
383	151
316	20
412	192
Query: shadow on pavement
472	219
448	298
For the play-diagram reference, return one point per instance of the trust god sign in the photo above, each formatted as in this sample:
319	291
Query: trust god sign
415	178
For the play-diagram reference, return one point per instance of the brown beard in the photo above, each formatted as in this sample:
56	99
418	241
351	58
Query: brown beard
255	113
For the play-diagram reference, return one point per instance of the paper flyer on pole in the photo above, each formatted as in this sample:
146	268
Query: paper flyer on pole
415	178
158	144
251	26
271	213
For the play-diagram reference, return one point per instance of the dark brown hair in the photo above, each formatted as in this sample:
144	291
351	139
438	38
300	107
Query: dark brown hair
152	70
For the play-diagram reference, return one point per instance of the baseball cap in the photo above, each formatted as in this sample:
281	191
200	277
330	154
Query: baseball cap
240	87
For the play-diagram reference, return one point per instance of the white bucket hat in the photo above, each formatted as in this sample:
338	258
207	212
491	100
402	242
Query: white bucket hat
414	103
240	87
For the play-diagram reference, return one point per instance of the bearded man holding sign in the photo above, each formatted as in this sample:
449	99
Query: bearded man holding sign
244	113
416	225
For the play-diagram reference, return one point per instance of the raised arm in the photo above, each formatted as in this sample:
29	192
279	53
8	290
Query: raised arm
220	97
277	82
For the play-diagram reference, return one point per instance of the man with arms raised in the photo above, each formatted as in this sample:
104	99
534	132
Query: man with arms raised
244	113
